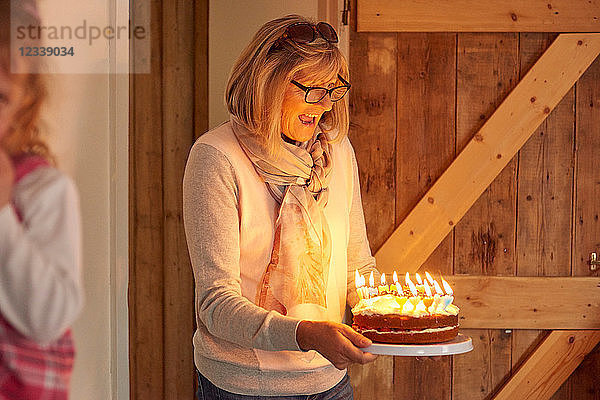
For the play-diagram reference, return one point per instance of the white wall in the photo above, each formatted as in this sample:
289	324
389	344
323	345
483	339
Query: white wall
87	119
232	23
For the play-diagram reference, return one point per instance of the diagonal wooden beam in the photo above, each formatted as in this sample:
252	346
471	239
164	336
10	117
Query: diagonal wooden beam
483	16
534	302
540	376
491	148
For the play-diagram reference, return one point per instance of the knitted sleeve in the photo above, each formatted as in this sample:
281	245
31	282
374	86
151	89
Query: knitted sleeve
211	219
41	293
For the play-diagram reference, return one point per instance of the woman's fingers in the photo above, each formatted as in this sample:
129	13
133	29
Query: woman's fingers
356	338
336	342
355	341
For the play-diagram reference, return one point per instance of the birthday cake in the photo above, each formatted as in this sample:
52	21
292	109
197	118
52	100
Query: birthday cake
409	313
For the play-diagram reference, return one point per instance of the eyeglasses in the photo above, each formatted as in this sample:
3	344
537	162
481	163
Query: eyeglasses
304	32
316	94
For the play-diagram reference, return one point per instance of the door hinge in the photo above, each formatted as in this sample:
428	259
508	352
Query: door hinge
346	12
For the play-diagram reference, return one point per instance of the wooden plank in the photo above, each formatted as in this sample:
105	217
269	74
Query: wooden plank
425	145
373	128
587	208
373	380
545	180
200	67
489	151
586	385
146	221
425	148
484	239
534	302
373	135
418	379
487	72
178	137
549	366
482	16
478	372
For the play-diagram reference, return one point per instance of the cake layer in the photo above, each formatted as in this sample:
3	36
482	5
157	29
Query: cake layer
411	336
393	321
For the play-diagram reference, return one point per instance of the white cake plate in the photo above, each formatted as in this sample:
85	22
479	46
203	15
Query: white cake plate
460	344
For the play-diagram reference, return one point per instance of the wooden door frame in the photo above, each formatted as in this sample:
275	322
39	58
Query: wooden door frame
168	110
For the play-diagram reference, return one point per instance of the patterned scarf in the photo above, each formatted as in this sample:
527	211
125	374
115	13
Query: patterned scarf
295	280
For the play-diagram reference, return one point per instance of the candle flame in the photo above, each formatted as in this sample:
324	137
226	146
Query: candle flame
447	287
383	278
419	279
429	278
411	285
438	289
371	280
395	276
427	289
357	280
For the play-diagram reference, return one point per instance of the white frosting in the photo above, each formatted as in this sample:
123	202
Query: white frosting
408	308
387	304
429	330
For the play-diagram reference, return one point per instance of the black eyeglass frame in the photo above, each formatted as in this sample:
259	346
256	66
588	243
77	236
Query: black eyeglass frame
346	85
316	29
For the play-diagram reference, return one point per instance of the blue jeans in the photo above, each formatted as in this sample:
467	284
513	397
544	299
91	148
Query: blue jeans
208	391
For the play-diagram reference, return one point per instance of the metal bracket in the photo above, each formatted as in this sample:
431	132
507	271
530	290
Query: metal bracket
346	12
594	261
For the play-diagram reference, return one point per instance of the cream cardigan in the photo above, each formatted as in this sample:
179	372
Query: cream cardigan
229	218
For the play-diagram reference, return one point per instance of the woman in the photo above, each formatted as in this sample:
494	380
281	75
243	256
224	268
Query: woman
274	223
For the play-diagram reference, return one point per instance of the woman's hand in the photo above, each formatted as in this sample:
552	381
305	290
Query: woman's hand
7	177
338	343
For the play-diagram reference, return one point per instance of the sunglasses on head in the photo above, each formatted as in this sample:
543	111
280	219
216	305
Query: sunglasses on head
304	32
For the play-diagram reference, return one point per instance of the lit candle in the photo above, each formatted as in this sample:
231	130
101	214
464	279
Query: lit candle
414	300
437	298
427	289
437	287
428	300
383	288
447	298
394	286
419	284
429	278
372	288
363	288
419	280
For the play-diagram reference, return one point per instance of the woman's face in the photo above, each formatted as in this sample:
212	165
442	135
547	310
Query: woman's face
299	119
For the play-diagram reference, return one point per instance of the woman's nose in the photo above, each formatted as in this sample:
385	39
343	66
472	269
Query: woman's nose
326	103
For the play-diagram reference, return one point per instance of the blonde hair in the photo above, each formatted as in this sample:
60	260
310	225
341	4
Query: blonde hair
24	134
258	80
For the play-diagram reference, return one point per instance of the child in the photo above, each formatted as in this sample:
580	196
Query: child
40	284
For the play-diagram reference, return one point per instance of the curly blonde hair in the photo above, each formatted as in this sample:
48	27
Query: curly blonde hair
24	134
258	79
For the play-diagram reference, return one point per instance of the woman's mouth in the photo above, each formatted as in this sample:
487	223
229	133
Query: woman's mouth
308	119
